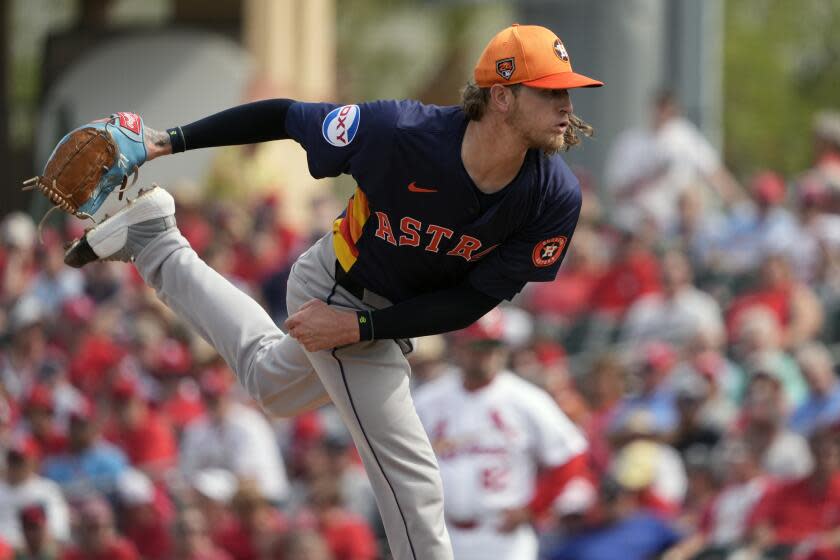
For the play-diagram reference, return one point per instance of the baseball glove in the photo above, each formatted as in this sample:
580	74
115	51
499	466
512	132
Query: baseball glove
90	162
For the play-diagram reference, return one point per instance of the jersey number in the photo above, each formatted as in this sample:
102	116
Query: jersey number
495	479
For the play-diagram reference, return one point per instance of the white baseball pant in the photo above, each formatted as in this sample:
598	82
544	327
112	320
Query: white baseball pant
368	382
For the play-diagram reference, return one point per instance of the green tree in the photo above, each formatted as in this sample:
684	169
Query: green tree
782	63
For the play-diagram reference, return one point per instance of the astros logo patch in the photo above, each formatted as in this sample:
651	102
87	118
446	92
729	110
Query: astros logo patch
505	67
341	124
560	50
547	252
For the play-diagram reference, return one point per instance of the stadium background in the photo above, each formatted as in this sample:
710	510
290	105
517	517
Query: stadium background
705	328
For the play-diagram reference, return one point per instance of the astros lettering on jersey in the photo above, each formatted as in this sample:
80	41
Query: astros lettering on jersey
417	222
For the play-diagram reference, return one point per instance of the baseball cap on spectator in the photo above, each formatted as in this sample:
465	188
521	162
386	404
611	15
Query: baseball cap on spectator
172	358
550	353
691	387
530	55
134	488
27	312
22	448
488	329
634	468
218	485
40	396
307	428
518	326
33	515
659	356
764	365
125	388
768	187
18	230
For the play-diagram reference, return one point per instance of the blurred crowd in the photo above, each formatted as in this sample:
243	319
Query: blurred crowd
691	335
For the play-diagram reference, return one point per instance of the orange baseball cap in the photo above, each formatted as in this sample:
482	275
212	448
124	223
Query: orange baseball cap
529	55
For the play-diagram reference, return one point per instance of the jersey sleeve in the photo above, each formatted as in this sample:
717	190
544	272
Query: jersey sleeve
353	139
557	440
534	254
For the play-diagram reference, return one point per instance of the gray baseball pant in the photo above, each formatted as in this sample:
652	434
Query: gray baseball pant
368	382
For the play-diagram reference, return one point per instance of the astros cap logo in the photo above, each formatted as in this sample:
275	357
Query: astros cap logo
560	51
529	55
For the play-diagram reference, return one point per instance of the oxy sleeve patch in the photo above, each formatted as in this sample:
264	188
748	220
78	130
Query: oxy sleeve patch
548	251
341	124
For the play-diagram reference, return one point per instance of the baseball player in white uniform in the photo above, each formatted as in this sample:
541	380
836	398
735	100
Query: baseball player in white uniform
491	431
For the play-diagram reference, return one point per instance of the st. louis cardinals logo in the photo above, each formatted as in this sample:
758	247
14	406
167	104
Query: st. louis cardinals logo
506	67
547	252
341	124
560	51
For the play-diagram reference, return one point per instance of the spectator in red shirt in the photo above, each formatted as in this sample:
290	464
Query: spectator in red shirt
180	399
97	539
211	491
193	538
38	542
38	410
145	513
799	519
633	272
793	303
96	356
347	535
143	434
256	529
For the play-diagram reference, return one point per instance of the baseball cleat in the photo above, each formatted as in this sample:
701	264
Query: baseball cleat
122	236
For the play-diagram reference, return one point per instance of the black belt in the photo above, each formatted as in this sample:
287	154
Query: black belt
343	279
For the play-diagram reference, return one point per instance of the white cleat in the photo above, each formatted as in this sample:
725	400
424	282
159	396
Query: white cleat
124	234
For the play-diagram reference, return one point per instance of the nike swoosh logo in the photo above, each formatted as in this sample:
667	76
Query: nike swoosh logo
412	187
483	253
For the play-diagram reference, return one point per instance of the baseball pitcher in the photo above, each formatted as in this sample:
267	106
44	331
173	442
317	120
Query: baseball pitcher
456	209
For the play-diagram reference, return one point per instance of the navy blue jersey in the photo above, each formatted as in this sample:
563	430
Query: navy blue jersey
417	223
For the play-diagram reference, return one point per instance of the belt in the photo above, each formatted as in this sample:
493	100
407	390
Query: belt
342	278
463	524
